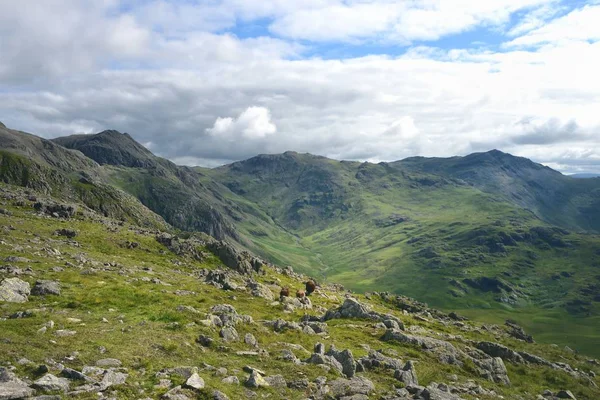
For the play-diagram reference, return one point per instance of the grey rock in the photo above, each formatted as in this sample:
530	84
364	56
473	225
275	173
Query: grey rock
407	374
260	290
14	290
12	387
346	359
250	340
565	394
231	380
229	334
498	350
177	393
299	384
276	381
109	363
217	395
43	288
64	333
72	374
205	341
195	382
255	380
446	352
319	348
352	308
376	359
493	369
350	387
322	359
112	378
51	383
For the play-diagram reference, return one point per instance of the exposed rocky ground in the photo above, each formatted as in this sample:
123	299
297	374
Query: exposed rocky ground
92	307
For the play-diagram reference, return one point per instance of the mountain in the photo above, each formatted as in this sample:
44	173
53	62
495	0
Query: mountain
92	307
584	175
490	235
39	164
553	197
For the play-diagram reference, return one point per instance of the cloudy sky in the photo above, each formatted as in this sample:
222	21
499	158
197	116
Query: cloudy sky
204	82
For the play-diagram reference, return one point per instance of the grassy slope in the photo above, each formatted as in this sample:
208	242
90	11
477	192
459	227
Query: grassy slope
147	340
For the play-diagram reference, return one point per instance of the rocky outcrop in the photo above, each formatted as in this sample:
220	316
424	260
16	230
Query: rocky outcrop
445	351
341	388
240	261
352	308
55	210
498	350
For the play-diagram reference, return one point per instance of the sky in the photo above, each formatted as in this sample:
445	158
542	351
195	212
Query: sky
207	82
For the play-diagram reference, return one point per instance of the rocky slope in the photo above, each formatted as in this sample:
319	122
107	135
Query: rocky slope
92	307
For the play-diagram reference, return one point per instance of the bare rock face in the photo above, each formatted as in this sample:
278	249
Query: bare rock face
14	290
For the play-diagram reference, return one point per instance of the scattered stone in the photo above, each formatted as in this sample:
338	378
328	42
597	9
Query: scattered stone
497	350
352	308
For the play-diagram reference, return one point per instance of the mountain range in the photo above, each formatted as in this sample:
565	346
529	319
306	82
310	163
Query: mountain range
490	235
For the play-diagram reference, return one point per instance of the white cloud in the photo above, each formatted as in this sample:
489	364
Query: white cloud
204	96
252	123
581	24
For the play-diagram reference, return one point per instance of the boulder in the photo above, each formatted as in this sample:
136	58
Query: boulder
51	383
195	382
260	290
346	359
407	374
43	288
14	290
255	380
229	334
350	387
12	387
108	363
493	369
